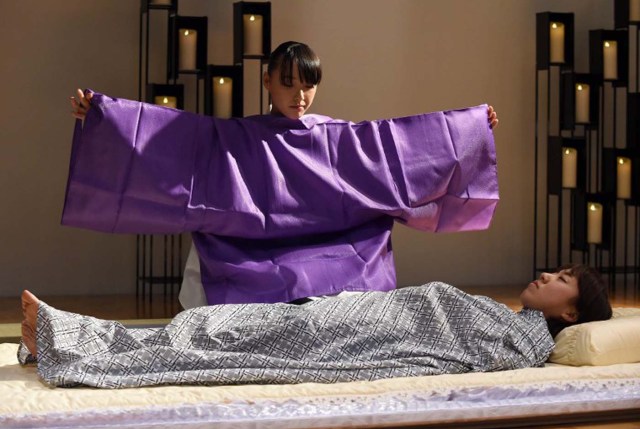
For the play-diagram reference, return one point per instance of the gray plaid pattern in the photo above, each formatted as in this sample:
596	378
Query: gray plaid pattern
425	330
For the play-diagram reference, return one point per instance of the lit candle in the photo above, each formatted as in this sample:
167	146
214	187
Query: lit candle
634	10
569	167
252	34
624	178
594	223
188	43
557	42
222	96
166	101
582	103
610	49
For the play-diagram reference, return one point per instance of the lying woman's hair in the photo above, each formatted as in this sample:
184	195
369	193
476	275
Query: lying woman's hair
593	299
290	53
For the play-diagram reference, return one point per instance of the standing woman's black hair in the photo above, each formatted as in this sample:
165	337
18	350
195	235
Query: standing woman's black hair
290	53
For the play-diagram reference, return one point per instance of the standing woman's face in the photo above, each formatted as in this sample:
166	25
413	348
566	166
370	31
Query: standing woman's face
293	100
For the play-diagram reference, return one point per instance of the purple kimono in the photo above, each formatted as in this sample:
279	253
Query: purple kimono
281	209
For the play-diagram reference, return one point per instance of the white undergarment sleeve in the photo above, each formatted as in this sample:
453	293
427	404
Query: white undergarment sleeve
192	292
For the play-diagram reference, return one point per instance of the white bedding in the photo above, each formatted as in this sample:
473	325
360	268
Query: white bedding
555	389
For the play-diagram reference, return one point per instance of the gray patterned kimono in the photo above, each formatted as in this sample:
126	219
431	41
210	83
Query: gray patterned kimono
425	330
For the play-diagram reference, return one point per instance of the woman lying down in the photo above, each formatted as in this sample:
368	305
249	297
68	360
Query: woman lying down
425	330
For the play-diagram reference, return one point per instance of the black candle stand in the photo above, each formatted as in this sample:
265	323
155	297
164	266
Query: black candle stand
557	208
163	90
262	9
235	73
159	258
177	25
600	38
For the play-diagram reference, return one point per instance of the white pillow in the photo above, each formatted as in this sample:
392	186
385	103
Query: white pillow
607	342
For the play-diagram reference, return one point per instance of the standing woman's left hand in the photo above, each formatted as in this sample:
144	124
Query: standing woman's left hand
493	117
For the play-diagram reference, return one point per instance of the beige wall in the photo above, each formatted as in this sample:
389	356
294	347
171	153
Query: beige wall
382	58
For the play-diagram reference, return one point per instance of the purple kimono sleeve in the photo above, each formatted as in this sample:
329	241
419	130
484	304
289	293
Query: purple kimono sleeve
141	168
440	168
131	168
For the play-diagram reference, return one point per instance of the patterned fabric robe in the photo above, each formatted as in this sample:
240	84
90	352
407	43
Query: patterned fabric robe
414	331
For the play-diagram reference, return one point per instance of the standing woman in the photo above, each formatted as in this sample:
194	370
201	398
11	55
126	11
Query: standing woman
282	206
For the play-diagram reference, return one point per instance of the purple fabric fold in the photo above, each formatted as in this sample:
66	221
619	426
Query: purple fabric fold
280	208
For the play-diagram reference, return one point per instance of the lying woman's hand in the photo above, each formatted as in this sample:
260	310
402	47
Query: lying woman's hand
493	117
80	106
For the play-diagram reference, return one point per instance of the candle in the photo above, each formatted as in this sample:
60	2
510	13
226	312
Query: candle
222	96
569	167
582	103
594	223
624	178
188	43
166	101
634	10
610	49
252	34
557	42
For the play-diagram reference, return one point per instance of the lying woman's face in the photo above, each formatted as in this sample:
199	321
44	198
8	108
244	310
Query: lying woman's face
555	294
293	100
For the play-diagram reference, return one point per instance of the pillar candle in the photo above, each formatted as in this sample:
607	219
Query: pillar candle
569	167
610	49
166	101
222	96
557	42
252	34
634	10
188	42
582	103
594	223
624	178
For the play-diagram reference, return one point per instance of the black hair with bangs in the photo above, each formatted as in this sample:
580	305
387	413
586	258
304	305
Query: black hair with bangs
593	298
290	53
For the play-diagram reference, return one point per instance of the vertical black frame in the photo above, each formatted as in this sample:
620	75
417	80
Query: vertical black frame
158	90
581	200
610	181
177	22
543	39
251	8
554	162
621	14
147	5
633	121
234	72
596	55
568	82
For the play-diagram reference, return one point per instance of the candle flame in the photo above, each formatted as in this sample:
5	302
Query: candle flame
621	161
253	18
567	151
221	80
186	32
165	100
579	87
606	44
593	207
554	25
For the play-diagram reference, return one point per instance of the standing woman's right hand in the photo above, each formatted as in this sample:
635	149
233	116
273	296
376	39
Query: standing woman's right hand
81	105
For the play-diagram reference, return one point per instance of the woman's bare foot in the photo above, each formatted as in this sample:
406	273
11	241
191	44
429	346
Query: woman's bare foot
30	314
